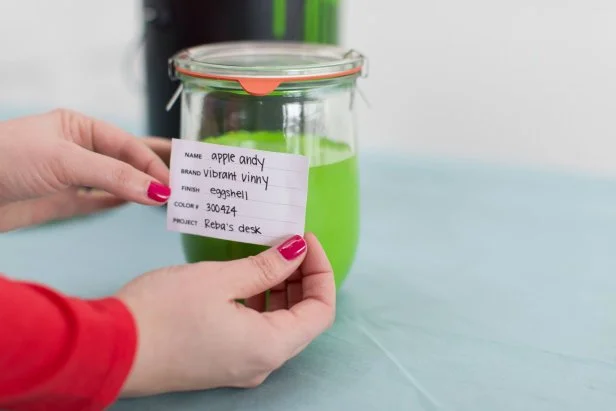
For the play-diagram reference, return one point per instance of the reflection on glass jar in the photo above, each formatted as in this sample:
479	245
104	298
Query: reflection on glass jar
283	97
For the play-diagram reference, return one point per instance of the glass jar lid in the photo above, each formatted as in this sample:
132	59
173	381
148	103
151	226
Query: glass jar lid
260	67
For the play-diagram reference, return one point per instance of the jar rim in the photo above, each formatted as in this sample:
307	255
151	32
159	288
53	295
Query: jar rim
261	66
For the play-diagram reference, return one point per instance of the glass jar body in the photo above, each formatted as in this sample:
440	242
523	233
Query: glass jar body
314	119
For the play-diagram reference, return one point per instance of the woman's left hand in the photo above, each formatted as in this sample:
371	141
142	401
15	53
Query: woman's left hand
48	160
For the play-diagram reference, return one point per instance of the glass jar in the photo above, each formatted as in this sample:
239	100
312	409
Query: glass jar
284	97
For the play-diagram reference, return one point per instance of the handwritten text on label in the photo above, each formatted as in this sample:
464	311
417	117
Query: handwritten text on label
235	193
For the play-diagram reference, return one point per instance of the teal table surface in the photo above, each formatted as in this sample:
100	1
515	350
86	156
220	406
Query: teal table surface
475	289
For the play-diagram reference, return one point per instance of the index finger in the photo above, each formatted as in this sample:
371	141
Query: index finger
315	313
161	147
112	141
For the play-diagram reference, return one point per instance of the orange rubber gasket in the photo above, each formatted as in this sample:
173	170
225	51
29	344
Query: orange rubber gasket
262	86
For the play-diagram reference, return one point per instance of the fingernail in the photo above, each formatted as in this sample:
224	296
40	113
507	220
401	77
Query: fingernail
158	192
293	247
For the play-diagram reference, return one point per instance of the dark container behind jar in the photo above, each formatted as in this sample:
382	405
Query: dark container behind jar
172	25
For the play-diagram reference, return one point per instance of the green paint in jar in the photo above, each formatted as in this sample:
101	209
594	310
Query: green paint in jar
287	97
332	211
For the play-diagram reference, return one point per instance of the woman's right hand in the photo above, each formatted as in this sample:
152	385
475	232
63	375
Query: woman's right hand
46	159
193	334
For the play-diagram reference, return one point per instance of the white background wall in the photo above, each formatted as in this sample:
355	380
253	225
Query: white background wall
508	81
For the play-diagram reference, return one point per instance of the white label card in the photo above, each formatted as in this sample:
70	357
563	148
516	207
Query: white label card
237	194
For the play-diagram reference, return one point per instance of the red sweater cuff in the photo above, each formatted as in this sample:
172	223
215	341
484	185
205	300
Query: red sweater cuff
98	351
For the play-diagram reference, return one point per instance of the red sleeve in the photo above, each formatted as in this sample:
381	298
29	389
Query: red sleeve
61	353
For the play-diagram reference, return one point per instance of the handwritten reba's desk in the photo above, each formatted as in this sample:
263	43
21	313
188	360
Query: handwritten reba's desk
475	289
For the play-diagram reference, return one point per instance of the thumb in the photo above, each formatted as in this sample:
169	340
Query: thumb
250	276
87	168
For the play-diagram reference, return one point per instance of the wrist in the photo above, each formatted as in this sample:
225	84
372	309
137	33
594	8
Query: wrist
125	346
137	381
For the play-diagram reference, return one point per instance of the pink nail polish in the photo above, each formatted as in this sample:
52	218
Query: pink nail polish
158	192
292	248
